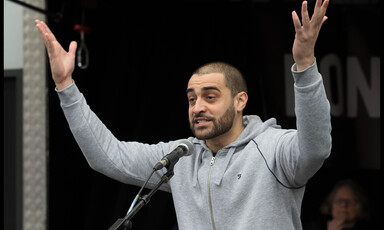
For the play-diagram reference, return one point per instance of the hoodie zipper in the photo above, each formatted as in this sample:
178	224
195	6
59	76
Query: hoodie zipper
209	192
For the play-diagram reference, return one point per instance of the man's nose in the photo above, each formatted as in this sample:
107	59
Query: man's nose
199	106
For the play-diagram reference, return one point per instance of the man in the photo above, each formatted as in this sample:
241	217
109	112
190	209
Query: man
244	173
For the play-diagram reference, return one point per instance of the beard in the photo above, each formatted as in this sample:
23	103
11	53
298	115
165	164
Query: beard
220	126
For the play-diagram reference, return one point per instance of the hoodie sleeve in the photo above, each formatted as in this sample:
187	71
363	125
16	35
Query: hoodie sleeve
128	162
312	143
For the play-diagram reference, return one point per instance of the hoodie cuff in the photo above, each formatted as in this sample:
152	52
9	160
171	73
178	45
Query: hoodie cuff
69	94
307	76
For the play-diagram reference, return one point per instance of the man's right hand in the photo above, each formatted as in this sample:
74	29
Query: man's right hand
62	63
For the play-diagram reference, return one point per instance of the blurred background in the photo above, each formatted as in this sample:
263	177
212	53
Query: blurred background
136	59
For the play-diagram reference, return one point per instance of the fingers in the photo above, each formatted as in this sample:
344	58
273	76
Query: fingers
323	7
324	19
320	10
49	43
45	34
296	21
44	29
49	38
72	48
47	30
41	29
318	17
318	5
304	14
42	26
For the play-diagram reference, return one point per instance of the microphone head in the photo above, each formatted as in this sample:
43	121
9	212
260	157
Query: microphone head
188	145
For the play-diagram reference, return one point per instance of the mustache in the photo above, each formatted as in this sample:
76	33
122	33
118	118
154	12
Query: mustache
202	115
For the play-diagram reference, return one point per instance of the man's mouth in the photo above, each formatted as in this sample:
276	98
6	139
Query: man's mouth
201	121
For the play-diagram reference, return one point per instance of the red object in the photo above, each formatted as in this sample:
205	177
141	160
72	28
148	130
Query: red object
82	28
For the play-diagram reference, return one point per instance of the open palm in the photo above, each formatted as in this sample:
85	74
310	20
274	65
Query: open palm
62	62
307	32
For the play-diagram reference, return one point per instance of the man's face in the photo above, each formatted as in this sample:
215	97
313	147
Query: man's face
211	109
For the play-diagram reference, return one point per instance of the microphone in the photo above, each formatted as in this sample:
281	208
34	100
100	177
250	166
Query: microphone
185	148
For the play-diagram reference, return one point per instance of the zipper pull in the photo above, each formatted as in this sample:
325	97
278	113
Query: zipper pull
212	161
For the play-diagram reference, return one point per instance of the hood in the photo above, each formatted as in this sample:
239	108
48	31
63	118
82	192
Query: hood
253	127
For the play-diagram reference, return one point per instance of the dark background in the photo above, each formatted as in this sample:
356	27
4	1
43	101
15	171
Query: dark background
141	57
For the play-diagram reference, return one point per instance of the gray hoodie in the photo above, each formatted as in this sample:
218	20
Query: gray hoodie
256	182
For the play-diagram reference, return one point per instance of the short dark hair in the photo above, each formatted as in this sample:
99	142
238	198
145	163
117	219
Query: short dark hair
234	80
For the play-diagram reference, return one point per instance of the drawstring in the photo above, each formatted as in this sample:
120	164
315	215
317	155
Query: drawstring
197	165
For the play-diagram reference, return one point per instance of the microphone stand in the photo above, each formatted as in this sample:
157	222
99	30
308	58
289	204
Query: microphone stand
125	223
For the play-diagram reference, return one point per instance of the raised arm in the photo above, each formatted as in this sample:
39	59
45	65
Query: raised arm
128	162
62	62
307	32
313	142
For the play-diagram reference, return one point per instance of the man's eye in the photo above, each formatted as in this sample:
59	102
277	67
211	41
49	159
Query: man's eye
211	97
191	100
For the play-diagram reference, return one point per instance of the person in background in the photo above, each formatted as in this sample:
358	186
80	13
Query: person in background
344	208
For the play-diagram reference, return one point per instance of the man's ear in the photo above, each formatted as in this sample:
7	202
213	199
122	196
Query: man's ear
241	101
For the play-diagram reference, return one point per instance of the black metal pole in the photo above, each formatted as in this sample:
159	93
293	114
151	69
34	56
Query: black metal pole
125	223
